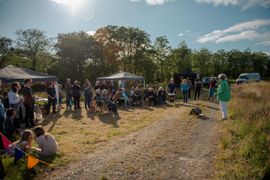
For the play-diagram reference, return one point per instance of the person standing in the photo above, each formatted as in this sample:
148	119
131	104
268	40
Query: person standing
190	86
28	103
51	98
68	88
185	88
13	96
60	96
212	89
223	95
76	94
87	94
198	86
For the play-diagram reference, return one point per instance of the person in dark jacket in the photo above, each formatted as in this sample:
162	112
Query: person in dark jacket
9	124
2	117
76	94
88	94
51	98
68	89
28	103
161	96
198	86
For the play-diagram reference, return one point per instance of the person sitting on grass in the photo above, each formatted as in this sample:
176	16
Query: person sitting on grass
45	141
24	144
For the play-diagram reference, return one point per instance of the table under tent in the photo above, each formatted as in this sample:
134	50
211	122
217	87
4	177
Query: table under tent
122	78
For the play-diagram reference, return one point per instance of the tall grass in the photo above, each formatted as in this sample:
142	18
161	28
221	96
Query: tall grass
245	147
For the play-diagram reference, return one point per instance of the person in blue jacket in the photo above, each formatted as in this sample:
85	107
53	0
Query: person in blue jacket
184	89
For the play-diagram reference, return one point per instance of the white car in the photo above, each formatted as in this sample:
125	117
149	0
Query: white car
248	77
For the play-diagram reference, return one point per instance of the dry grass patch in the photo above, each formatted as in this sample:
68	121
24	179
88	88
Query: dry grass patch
81	132
245	147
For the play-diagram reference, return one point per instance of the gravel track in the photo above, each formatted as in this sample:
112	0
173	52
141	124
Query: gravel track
174	147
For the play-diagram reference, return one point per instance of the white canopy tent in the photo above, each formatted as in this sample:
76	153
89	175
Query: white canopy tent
121	77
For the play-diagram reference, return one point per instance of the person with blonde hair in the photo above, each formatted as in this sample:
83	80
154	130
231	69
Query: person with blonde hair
24	144
223	95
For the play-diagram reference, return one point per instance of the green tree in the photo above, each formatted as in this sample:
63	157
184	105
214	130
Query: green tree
32	42
162	49
180	57
77	52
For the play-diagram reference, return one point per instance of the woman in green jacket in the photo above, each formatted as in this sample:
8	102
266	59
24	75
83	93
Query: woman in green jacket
223	95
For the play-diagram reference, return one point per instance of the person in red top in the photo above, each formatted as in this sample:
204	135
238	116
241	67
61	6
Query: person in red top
212	89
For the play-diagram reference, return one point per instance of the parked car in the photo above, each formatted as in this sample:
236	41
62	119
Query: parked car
248	77
206	81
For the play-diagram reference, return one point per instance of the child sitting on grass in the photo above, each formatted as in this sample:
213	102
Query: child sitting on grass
46	142
23	144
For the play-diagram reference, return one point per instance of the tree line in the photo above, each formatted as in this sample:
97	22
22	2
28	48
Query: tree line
111	49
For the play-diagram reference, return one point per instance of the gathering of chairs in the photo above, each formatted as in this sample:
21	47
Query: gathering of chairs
105	102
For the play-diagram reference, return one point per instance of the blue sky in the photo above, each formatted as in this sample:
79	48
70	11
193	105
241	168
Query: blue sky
212	24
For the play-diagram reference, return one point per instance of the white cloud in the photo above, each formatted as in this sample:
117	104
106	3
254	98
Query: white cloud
154	2
250	30
91	33
244	4
263	43
180	34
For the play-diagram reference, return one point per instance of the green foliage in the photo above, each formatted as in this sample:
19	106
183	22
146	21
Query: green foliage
111	49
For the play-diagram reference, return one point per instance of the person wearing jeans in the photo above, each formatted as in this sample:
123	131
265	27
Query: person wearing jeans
198	86
87	94
185	88
223	95
68	88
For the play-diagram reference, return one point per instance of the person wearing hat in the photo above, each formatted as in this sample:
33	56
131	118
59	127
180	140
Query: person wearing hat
223	95
76	94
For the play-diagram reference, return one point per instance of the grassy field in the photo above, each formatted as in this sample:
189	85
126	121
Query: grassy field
245	147
81	132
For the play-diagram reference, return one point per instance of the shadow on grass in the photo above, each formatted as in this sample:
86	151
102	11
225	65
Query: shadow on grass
107	118
77	114
50	118
206	106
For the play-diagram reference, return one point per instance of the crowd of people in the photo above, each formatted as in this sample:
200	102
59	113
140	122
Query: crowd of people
17	121
17	113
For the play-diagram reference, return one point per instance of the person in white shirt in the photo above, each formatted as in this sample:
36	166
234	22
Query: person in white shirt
13	96
46	142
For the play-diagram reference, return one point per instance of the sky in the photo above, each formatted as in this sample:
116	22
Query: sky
212	24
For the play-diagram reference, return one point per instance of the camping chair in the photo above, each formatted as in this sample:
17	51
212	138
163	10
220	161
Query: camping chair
101	107
171	97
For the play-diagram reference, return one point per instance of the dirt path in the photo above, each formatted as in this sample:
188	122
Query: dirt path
174	147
